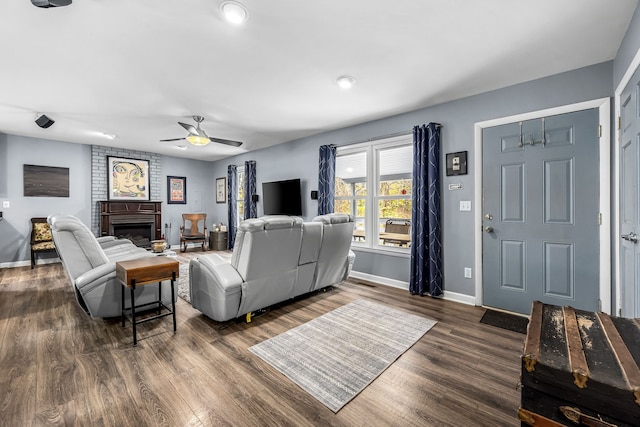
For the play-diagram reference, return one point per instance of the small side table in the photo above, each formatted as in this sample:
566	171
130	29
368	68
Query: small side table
140	272
218	240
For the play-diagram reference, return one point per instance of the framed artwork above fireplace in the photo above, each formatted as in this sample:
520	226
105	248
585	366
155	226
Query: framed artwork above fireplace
128	179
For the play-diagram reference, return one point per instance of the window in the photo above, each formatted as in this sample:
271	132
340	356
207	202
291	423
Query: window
382	216
240	195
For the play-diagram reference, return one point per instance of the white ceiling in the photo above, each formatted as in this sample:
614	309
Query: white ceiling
136	68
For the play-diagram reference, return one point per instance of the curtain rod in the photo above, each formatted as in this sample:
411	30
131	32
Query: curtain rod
389	135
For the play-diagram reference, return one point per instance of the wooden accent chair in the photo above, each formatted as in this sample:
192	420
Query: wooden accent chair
41	240
395	231
193	230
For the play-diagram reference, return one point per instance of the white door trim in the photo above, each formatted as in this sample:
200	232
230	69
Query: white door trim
604	106
635	63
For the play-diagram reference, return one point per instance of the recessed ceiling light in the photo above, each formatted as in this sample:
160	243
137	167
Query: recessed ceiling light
109	135
346	82
181	147
234	12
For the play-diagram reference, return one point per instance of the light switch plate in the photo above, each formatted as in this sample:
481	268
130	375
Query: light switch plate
6	204
465	205
467	273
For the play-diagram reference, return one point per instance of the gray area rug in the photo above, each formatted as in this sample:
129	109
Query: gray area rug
335	356
183	282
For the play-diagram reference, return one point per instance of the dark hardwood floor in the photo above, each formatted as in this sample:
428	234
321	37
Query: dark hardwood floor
60	367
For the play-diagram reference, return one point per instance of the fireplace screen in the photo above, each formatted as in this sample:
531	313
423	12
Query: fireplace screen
139	233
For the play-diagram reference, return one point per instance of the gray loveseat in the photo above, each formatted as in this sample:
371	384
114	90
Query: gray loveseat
90	264
275	258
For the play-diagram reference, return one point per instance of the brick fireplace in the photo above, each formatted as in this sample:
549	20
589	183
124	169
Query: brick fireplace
139	222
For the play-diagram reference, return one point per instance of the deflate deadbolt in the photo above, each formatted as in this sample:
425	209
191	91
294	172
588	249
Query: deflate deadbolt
631	237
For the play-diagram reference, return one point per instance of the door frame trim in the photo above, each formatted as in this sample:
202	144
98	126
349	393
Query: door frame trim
626	78
604	107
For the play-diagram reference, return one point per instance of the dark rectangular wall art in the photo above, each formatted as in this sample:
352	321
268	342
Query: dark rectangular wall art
45	181
457	163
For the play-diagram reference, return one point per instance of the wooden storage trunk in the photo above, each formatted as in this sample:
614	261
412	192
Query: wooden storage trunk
580	368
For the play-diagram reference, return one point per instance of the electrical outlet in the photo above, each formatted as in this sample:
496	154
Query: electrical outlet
467	273
6	204
465	205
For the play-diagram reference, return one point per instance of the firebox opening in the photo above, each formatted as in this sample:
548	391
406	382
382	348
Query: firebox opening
139	234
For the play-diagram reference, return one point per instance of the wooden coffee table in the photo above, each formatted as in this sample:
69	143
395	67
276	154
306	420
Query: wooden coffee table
143	271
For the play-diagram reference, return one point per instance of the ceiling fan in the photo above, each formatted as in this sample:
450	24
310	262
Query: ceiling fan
198	136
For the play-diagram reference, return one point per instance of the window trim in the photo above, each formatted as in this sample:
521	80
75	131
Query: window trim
372	198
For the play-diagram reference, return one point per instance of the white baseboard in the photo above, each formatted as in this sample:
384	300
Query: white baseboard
448	295
26	263
381	280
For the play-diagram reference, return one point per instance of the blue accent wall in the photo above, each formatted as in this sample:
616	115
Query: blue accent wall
15	228
299	159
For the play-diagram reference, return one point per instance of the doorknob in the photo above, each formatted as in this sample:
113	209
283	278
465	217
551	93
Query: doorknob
488	229
631	237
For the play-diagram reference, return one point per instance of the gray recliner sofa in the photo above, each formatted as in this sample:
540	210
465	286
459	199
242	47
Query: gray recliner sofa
90	265
275	258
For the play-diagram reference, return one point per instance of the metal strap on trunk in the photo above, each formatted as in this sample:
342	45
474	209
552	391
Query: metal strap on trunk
577	360
532	346
628	365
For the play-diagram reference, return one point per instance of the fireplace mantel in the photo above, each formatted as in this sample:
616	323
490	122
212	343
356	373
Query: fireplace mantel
120	211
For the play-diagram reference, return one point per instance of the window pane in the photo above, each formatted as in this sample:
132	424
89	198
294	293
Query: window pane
396	187
395	222
396	168
351	174
394	209
342	206
359	231
360	208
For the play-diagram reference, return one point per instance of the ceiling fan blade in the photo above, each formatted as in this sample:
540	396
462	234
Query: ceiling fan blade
190	128
174	139
226	141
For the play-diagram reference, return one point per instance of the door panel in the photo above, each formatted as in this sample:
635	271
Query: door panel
629	208
558	269
558	186
513	265
512	200
544	244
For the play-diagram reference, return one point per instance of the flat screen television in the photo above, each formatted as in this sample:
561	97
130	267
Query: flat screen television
282	197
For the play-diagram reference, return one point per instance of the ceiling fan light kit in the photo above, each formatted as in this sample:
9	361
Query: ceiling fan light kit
198	140
197	136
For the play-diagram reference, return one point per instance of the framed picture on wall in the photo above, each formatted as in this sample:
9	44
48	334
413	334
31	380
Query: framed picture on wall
176	190
45	181
221	190
128	179
457	163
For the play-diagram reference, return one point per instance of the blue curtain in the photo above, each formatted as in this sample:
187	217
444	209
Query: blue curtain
426	250
326	179
250	206
232	192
